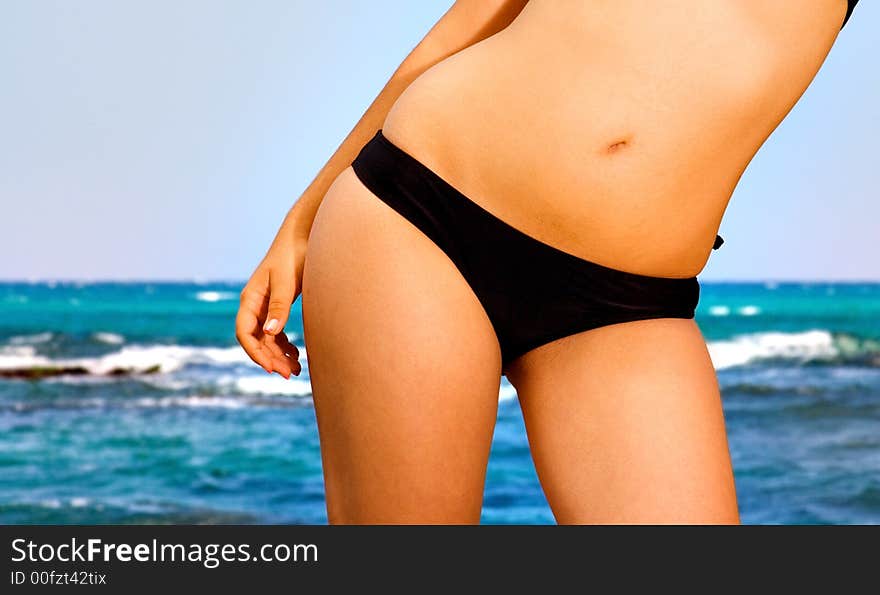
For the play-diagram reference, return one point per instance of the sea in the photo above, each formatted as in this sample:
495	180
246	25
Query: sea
132	403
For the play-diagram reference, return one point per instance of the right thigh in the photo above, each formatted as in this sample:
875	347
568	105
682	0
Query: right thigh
404	365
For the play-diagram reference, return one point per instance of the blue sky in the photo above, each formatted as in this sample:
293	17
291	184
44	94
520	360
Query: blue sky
166	140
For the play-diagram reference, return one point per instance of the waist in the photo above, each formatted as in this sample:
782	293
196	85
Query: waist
619	200
601	148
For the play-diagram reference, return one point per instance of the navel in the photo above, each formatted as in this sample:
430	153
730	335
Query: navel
617	146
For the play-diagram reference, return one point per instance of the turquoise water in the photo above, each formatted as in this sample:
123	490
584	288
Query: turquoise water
160	417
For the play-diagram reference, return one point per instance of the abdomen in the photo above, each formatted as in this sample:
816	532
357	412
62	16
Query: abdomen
610	132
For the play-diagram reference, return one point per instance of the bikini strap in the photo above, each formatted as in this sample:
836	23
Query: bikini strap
718	241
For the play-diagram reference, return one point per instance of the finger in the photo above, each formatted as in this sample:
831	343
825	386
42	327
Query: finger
289	348
258	352
291	351
281	363
246	331
282	288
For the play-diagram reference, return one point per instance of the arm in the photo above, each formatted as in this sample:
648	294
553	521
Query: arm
276	282
464	24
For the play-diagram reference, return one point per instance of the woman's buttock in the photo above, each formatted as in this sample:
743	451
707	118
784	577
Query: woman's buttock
616	131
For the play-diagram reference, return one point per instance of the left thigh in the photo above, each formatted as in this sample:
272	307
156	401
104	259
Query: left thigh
625	425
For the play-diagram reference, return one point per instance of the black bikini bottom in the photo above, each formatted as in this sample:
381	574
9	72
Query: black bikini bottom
532	292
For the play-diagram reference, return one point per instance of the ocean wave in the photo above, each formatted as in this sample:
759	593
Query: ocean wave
75	502
35	339
819	381
192	401
228	393
267	385
215	296
722	310
746	349
20	358
189	401
133	359
821	391
108	338
229	385
798	347
299	387
274	385
117	510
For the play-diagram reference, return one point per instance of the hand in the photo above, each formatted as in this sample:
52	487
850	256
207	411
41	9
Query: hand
265	306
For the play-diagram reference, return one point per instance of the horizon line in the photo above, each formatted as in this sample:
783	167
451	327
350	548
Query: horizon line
231	281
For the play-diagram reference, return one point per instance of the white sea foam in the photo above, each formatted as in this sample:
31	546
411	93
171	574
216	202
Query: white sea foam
108	338
808	345
749	310
190	401
77	380
161	381
131	358
169	360
35	339
268	385
162	402
220	355
507	392
161	358
215	296
719	311
298	387
21	356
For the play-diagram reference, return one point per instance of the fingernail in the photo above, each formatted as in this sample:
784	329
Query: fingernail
270	326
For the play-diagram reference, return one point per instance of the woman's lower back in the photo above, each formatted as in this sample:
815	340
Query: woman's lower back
615	132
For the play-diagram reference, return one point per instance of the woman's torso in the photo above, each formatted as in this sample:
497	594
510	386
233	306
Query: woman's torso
616	130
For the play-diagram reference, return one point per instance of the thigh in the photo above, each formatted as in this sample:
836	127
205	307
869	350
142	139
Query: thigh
404	365
625	425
